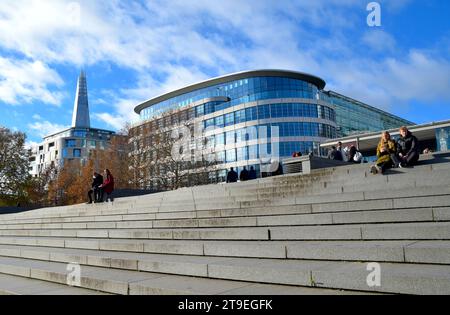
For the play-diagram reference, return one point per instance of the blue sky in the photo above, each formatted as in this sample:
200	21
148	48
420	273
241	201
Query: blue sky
135	50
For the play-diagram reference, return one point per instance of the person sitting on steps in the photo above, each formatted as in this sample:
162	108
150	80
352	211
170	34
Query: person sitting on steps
96	183
385	153
407	148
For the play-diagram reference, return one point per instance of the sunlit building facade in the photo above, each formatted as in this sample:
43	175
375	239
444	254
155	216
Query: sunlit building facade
243	115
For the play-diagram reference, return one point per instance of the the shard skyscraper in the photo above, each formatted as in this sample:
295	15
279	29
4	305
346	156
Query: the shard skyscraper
80	117
74	143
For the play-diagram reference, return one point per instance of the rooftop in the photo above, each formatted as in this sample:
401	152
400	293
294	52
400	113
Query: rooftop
231	77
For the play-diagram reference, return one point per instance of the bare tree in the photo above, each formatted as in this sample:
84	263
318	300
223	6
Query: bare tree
14	164
181	160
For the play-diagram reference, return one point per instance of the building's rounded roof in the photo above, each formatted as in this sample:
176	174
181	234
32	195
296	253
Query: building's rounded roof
232	77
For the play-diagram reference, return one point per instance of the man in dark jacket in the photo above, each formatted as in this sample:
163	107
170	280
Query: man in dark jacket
232	176
407	148
335	154
96	182
244	175
252	173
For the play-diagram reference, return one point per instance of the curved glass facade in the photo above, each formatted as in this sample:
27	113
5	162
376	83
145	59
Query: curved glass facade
242	118
239	92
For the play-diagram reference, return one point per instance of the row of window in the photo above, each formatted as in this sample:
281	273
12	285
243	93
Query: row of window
252	89
257	151
76	153
72	143
291	129
354	117
271	111
257	96
85	134
277	110
294	129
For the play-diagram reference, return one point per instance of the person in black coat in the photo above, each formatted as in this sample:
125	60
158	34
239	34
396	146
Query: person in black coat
244	175
407	148
232	176
335	154
97	181
252	173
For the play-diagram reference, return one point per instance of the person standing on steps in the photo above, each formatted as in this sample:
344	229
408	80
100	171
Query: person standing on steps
96	183
232	176
252	173
244	175
107	187
339	155
385	153
407	148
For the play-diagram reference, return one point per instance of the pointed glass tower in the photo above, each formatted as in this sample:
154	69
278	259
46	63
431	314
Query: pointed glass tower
80	117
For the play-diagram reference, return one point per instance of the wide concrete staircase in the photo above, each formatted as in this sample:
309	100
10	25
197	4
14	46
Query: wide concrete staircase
292	234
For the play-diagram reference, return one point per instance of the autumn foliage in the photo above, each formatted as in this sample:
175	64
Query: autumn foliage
73	181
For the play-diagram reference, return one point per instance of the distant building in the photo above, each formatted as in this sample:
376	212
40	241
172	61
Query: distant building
74	143
239	113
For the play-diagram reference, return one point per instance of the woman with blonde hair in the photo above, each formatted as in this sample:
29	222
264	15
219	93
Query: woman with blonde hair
386	150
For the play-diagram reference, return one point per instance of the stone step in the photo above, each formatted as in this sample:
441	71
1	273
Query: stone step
14	285
393	231
355	172
381	181
433	252
251	233
432	197
433	180
395	278
145	283
253	218
132	201
350	186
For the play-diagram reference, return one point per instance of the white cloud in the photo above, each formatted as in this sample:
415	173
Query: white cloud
419	76
23	81
115	121
31	144
379	41
125	100
46	128
169	44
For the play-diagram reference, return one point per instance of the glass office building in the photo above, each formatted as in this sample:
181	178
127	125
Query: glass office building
355	117
248	118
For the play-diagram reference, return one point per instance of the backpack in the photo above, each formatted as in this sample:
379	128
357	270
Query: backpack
358	157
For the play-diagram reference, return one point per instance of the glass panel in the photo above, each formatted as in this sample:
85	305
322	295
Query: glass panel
230	137
70	143
229	119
